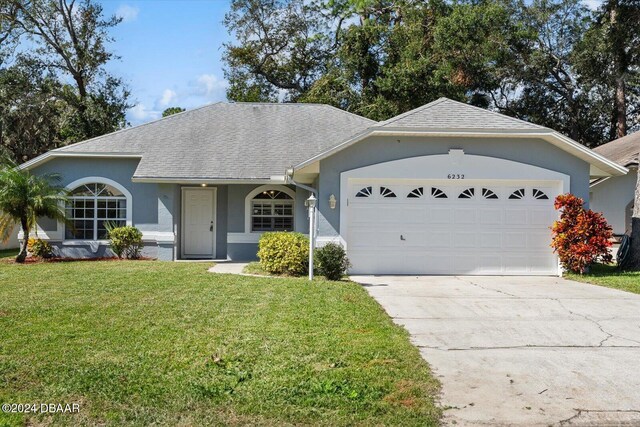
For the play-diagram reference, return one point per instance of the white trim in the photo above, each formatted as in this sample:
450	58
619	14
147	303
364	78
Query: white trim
234	238
56	236
37	161
214	191
600	163
275	179
253	193
100	180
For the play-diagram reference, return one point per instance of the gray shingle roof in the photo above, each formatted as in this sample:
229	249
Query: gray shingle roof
623	151
445	113
229	140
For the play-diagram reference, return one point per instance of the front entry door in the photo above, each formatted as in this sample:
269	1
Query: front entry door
198	222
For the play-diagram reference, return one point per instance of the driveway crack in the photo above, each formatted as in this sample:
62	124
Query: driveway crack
595	322
580	412
485	288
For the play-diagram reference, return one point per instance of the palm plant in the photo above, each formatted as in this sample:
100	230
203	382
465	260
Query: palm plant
24	198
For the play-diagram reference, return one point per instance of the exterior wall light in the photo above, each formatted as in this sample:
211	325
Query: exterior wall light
332	201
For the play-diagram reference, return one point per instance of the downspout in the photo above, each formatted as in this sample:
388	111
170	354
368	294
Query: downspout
313	215
289	180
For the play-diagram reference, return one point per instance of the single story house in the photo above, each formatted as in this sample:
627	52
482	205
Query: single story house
613	195
445	188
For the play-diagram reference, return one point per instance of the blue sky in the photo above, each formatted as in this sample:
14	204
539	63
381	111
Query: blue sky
170	53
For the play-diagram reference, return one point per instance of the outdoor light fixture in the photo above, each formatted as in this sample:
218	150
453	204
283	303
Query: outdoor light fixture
332	201
203	185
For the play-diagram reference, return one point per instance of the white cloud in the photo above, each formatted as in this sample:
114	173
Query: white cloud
127	13
592	4
139	114
168	97
210	86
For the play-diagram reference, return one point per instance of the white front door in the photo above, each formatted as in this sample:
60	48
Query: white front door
198	222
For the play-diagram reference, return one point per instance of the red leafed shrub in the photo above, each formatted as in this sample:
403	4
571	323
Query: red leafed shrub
581	237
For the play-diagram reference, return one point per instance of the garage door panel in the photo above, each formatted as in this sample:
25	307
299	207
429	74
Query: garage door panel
490	239
480	234
513	216
491	216
538	240
465	215
463	239
438	239
438	215
514	239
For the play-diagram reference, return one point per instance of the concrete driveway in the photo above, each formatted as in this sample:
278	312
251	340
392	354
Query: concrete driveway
522	350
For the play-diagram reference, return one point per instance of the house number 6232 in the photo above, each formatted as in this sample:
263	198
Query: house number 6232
455	176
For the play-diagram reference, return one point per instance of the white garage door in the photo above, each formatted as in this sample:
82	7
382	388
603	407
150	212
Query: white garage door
445	227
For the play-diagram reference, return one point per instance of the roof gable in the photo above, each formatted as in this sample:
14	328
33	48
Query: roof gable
445	113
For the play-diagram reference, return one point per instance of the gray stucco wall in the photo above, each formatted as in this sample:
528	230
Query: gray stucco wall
612	197
374	150
144	204
145	196
236	219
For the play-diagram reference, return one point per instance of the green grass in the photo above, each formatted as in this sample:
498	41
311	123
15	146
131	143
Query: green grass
255	268
139	343
8	253
611	277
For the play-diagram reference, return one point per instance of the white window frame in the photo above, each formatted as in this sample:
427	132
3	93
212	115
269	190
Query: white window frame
248	203
99	180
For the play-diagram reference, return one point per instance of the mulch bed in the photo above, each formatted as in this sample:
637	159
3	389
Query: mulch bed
31	260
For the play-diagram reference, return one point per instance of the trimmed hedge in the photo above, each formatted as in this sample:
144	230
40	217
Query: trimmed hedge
284	252
126	242
331	261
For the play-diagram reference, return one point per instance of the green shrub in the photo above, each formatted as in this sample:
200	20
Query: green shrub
331	261
126	242
40	248
284	253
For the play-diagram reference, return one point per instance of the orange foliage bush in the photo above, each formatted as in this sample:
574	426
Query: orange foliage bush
581	237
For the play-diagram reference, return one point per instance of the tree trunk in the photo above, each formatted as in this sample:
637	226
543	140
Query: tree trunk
620	107
22	256
634	251
621	67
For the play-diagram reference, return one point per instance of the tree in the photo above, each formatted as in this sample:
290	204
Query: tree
71	38
24	198
379	58
31	111
172	110
633	260
609	56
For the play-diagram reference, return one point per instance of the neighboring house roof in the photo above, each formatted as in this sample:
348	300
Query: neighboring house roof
256	141
623	151
225	141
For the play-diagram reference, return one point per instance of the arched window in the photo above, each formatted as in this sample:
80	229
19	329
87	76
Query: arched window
272	210
94	204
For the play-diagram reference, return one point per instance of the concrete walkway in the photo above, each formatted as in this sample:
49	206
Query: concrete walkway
228	267
522	350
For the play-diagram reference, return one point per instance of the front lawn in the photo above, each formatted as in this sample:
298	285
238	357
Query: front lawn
611	277
139	343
